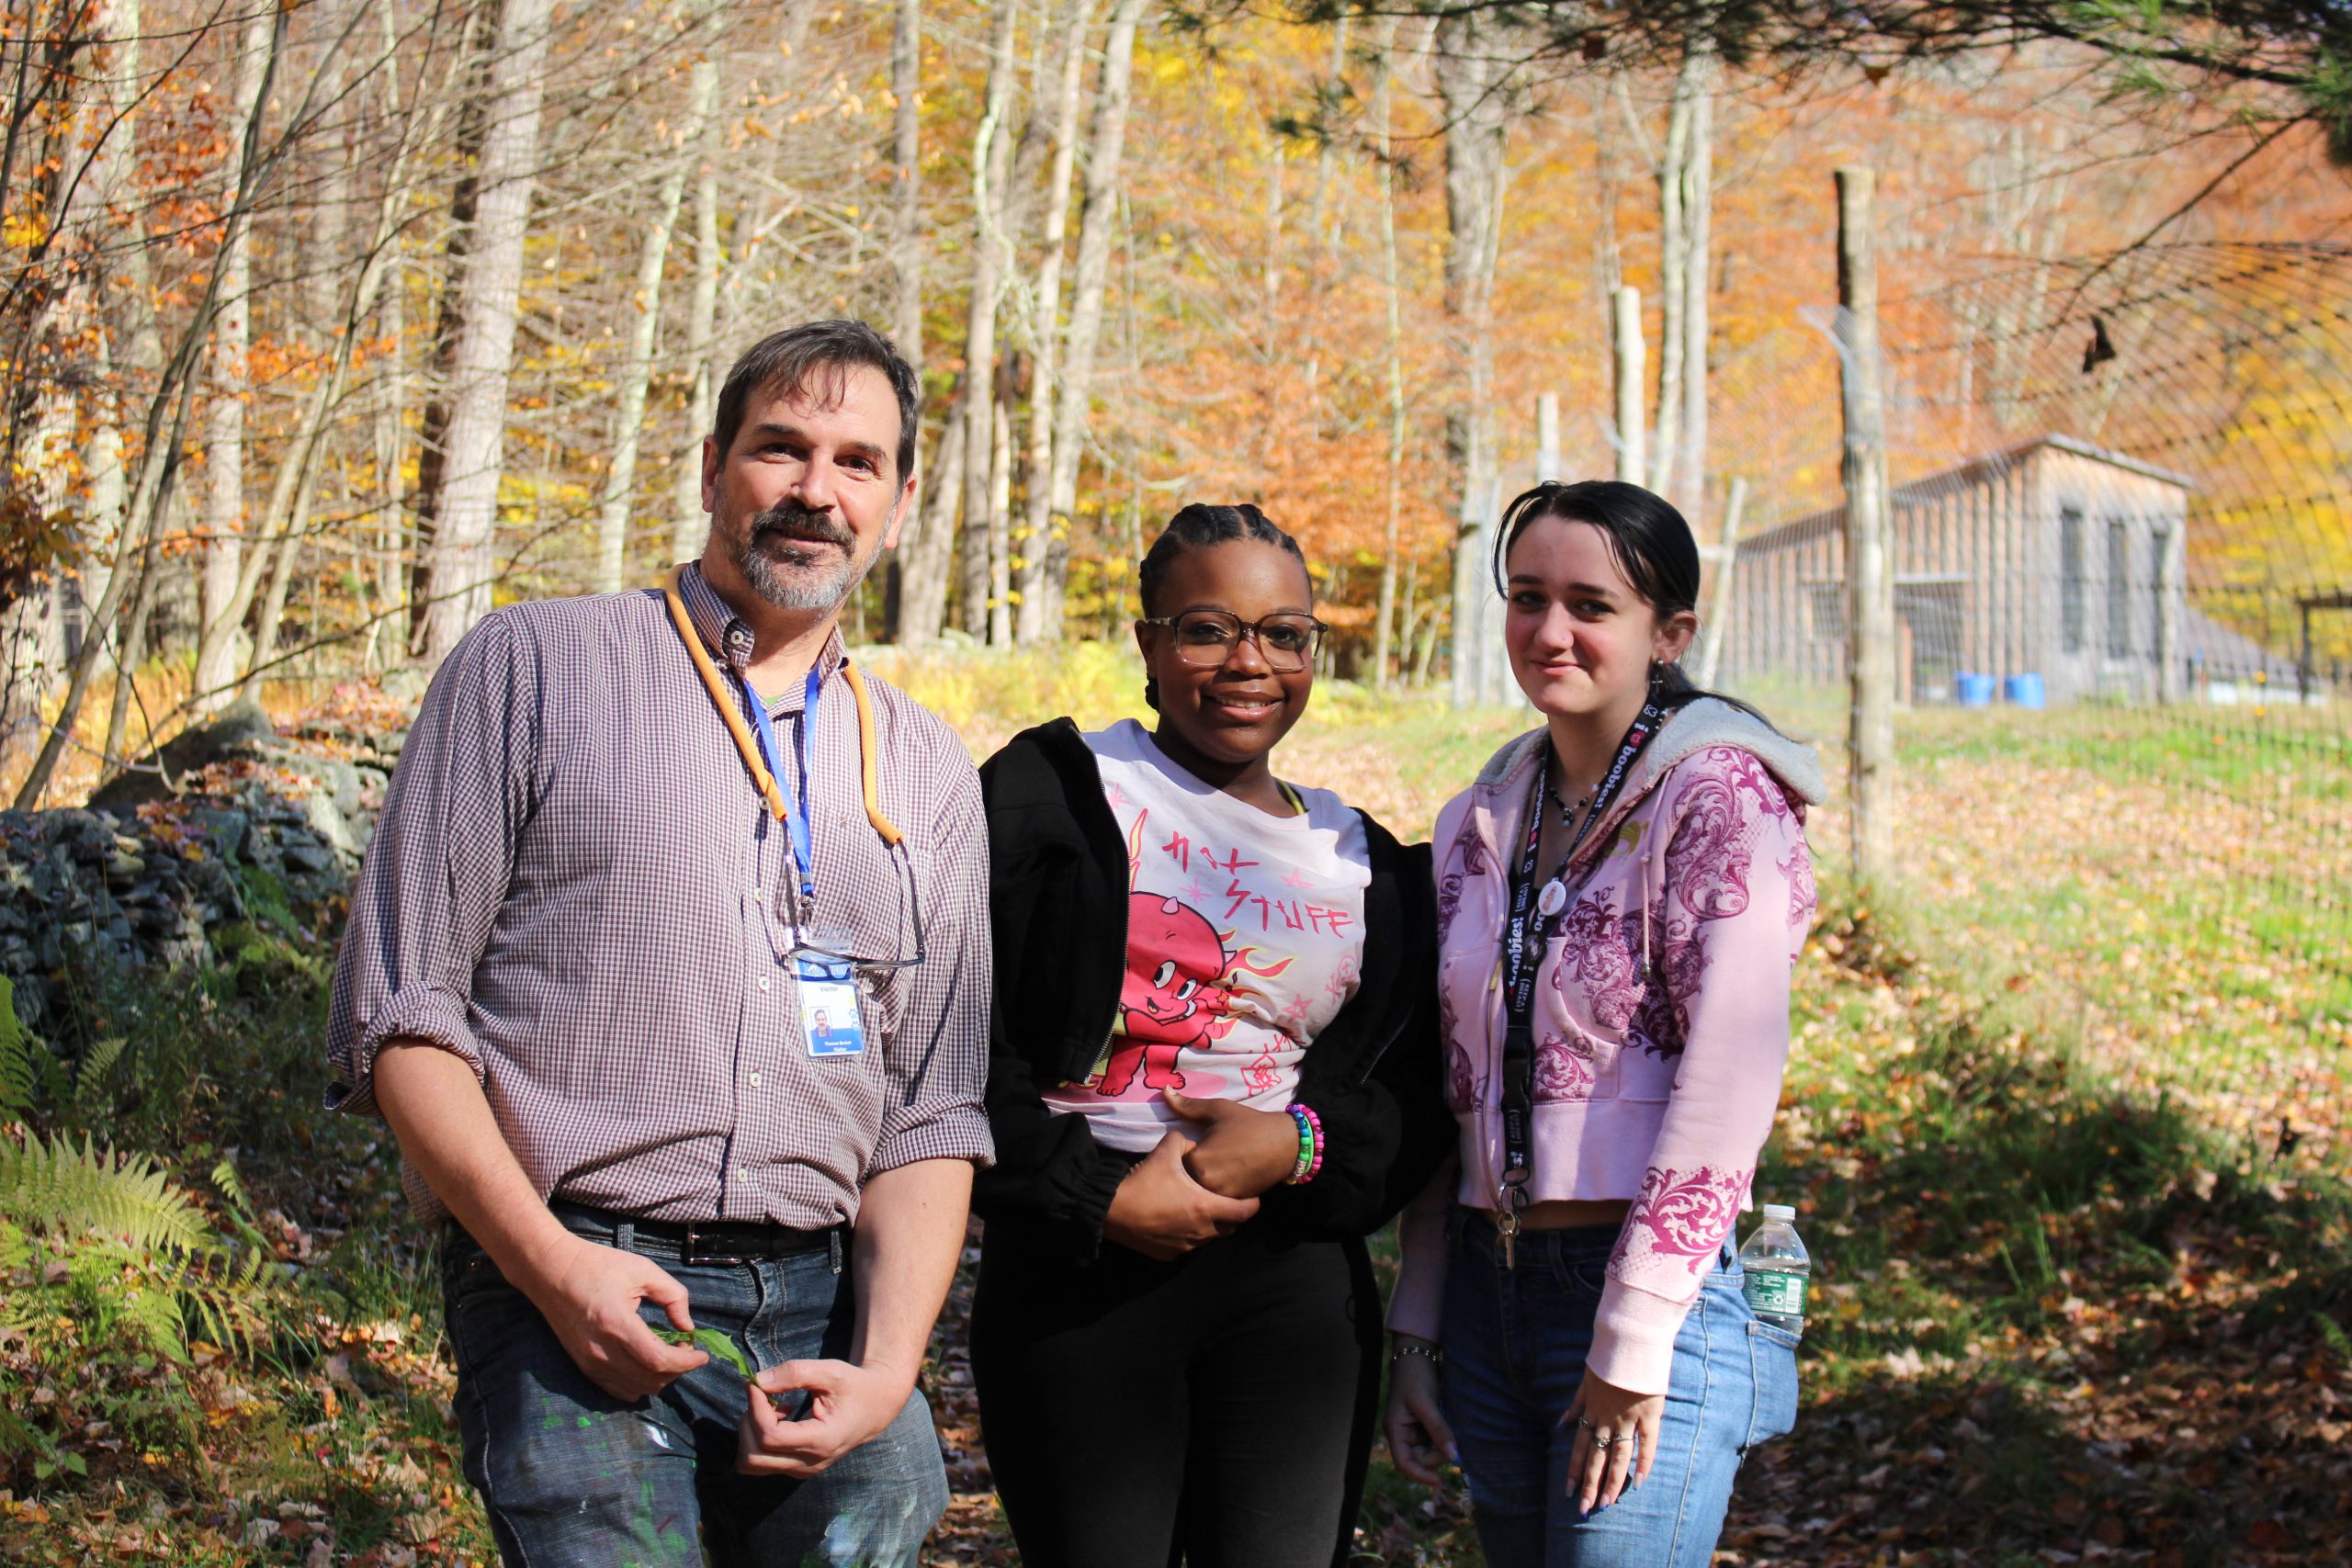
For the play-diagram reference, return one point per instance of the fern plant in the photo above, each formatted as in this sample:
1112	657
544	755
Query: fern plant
51	1184
30	1075
119	1272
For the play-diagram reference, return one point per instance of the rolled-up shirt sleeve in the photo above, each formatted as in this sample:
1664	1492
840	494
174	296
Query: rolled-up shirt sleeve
937	1060
439	865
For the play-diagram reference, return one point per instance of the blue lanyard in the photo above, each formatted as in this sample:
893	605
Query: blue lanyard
804	845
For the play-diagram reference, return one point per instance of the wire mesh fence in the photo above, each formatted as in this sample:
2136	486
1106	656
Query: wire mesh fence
2122	541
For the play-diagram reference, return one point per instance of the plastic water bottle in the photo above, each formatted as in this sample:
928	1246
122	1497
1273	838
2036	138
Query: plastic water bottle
1776	1267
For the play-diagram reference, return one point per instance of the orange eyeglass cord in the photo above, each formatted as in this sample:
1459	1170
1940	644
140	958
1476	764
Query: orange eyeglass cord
716	685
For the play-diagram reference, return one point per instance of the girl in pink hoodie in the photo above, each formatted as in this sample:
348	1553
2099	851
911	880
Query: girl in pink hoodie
1621	898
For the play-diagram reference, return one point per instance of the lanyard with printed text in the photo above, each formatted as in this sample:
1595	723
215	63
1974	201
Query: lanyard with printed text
797	823
1528	932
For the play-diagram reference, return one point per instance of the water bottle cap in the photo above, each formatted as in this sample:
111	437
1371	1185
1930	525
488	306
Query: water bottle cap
1779	1211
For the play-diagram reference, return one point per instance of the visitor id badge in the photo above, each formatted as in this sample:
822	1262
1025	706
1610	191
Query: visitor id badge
829	1017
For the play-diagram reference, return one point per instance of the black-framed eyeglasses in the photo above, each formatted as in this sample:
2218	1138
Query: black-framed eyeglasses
1208	638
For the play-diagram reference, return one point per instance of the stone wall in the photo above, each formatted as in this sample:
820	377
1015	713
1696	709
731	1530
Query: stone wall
255	830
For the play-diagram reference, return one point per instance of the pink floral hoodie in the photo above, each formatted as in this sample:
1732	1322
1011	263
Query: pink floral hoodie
1661	1010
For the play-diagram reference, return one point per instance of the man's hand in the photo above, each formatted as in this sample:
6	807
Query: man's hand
589	1295
1240	1152
847	1404
909	1229
1160	1211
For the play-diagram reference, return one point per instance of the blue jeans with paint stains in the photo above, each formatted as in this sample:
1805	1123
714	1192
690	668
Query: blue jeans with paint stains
1515	1342
570	1475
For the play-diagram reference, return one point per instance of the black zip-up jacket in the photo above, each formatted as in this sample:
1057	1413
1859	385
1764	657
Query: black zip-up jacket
1058	902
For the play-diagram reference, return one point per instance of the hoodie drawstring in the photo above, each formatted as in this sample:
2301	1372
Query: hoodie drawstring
1649	970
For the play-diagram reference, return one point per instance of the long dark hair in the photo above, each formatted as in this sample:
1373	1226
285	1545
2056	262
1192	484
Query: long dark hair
1650	541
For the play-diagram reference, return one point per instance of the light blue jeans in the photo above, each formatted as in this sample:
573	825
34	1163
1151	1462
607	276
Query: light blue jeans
572	1476
1515	1344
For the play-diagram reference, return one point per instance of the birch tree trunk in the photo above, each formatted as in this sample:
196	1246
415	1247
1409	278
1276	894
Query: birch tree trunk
1689	480
332	24
283	558
1683	456
1674	269
222	557
166	433
278	541
1719	592
906	127
1098	224
130	651
629	417
926	557
1471	80
1000	513
1382	106
109	185
162	443
687	526
392	470
1607	256
390	626
285	522
479	42
906	263
49	369
991	159
1034	541
1626	358
460	567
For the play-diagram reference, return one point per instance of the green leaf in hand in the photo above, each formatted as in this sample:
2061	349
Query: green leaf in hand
713	1342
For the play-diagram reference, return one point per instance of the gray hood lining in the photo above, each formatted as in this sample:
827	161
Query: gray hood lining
1706	723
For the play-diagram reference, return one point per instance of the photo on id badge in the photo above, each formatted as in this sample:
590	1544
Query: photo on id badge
829	1017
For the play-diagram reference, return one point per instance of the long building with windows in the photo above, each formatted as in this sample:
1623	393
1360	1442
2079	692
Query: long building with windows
2054	558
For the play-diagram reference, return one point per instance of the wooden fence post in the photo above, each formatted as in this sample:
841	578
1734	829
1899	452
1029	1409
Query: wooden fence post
1870	589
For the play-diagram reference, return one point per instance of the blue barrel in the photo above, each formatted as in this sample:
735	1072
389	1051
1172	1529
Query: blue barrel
1973	691
2024	690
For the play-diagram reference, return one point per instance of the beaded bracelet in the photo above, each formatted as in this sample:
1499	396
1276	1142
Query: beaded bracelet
1305	1147
1310	1146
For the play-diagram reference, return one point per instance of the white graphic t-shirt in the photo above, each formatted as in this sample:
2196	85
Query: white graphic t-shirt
1245	938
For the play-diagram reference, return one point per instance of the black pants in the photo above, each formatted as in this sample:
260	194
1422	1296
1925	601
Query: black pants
1216	1411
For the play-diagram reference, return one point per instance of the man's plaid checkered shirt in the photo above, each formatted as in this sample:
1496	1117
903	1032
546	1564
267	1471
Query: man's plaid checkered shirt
575	887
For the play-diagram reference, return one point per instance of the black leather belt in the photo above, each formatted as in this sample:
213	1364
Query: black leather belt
719	1242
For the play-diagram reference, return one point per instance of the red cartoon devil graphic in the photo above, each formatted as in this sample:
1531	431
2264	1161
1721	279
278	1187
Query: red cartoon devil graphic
1170	999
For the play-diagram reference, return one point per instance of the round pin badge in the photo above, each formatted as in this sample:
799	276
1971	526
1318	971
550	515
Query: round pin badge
1553	899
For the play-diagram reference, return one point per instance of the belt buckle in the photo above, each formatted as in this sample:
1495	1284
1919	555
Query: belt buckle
690	1252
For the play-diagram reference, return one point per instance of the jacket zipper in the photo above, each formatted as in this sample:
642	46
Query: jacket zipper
1489	1116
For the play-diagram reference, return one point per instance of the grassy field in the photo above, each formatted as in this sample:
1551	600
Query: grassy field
2061	1125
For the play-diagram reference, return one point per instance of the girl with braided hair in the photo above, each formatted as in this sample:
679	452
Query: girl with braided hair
1213	1070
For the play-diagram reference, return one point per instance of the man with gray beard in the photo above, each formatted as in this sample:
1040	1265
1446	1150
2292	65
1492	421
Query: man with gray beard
669	966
